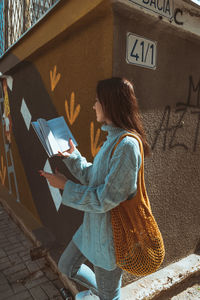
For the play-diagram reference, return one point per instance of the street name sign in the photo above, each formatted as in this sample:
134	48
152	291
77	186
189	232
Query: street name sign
162	7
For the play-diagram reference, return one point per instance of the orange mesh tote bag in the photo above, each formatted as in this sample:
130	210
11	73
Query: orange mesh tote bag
138	243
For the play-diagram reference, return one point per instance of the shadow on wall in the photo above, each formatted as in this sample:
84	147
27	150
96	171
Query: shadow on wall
29	100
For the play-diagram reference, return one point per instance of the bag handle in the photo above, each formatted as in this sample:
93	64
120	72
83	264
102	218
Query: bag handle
141	181
134	135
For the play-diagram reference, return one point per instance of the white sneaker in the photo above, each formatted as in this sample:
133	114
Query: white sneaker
86	295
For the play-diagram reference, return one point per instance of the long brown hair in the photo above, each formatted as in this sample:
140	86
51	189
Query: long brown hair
120	106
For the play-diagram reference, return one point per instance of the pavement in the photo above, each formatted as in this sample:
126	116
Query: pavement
26	275
21	277
191	293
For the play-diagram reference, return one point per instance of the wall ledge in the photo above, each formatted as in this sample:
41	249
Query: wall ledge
163	280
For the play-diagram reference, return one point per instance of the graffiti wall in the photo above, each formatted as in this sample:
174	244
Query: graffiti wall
53	72
163	62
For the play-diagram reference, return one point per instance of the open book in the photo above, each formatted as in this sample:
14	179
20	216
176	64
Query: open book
54	135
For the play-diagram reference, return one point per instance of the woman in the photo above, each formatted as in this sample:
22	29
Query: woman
104	184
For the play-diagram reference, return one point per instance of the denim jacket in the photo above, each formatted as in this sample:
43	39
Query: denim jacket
104	184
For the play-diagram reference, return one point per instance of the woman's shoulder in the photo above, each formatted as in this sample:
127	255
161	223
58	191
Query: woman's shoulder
128	151
128	147
130	142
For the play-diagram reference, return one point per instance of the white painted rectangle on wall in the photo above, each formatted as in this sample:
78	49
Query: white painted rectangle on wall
162	7
55	193
26	114
141	51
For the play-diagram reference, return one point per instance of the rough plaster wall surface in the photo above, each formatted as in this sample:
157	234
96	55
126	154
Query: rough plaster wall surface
169	100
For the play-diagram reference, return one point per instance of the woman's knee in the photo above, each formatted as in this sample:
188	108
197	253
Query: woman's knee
64	266
71	260
66	260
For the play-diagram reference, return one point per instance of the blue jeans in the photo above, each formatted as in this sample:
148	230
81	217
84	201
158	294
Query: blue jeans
105	284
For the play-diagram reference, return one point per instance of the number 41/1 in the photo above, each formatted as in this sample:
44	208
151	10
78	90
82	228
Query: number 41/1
141	51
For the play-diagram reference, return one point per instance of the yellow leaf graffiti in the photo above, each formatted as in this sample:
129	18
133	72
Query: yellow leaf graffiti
2	171
72	112
95	147
54	78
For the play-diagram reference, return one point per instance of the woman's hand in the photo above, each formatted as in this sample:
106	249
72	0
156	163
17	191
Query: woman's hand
68	152
57	180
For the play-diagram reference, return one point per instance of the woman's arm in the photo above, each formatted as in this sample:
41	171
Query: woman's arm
119	184
78	166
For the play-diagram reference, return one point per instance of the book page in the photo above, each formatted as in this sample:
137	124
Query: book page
61	133
37	129
50	140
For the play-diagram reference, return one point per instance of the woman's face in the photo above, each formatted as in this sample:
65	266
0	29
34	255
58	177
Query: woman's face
99	112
